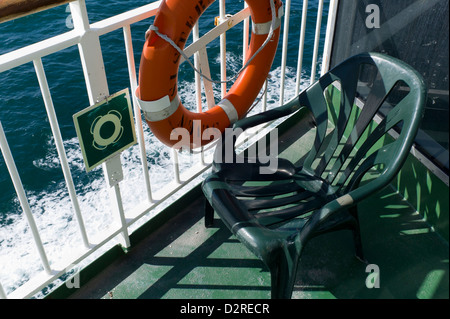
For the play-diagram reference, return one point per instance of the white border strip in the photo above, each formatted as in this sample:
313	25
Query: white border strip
264	28
229	109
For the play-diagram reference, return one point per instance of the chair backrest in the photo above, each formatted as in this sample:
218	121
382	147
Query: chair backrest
349	141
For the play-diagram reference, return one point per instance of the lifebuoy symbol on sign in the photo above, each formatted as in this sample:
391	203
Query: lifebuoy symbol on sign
99	141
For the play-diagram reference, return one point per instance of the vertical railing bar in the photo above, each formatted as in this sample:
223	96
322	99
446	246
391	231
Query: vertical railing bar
48	102
301	46
137	110
264	100
316	42
284	51
198	83
90	54
122	219
223	50
97	87
246	31
2	292
176	166
79	15
206	71
201	62
202	156
331	24
12	169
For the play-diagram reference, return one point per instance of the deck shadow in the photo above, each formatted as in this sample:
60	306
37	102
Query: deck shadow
185	260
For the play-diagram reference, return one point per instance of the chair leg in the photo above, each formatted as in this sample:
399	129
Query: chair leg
283	271
358	245
357	234
209	214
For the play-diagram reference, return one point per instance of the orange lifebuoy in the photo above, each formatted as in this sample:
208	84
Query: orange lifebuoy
158	74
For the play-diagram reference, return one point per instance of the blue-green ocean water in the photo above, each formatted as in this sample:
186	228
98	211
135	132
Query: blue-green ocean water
24	119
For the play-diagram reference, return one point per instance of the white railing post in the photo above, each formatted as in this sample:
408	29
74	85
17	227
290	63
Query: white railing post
328	44
198	83
301	46
114	175
223	50
284	51
90	54
264	99
246	32
316	42
176	166
97	87
2	292
201	63
137	110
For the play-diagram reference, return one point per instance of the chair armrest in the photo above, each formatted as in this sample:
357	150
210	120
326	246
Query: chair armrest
338	204
267	116
240	126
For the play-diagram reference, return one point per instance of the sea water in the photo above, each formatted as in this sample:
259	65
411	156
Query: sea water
24	119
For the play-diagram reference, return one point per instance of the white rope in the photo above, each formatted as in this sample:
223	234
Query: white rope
173	44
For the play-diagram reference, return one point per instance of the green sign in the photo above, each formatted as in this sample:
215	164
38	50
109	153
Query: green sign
105	129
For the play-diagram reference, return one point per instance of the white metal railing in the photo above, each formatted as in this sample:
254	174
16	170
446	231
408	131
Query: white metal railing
86	36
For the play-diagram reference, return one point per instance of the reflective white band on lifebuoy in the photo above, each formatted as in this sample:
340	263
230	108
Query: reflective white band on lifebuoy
264	28
229	109
158	110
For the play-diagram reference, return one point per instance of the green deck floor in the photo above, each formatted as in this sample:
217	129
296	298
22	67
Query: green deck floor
185	260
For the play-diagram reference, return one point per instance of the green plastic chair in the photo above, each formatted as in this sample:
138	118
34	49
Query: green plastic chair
274	215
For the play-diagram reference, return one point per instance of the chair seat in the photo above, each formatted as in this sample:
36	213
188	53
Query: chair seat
278	201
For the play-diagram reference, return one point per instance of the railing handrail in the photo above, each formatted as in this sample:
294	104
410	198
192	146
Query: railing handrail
70	38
